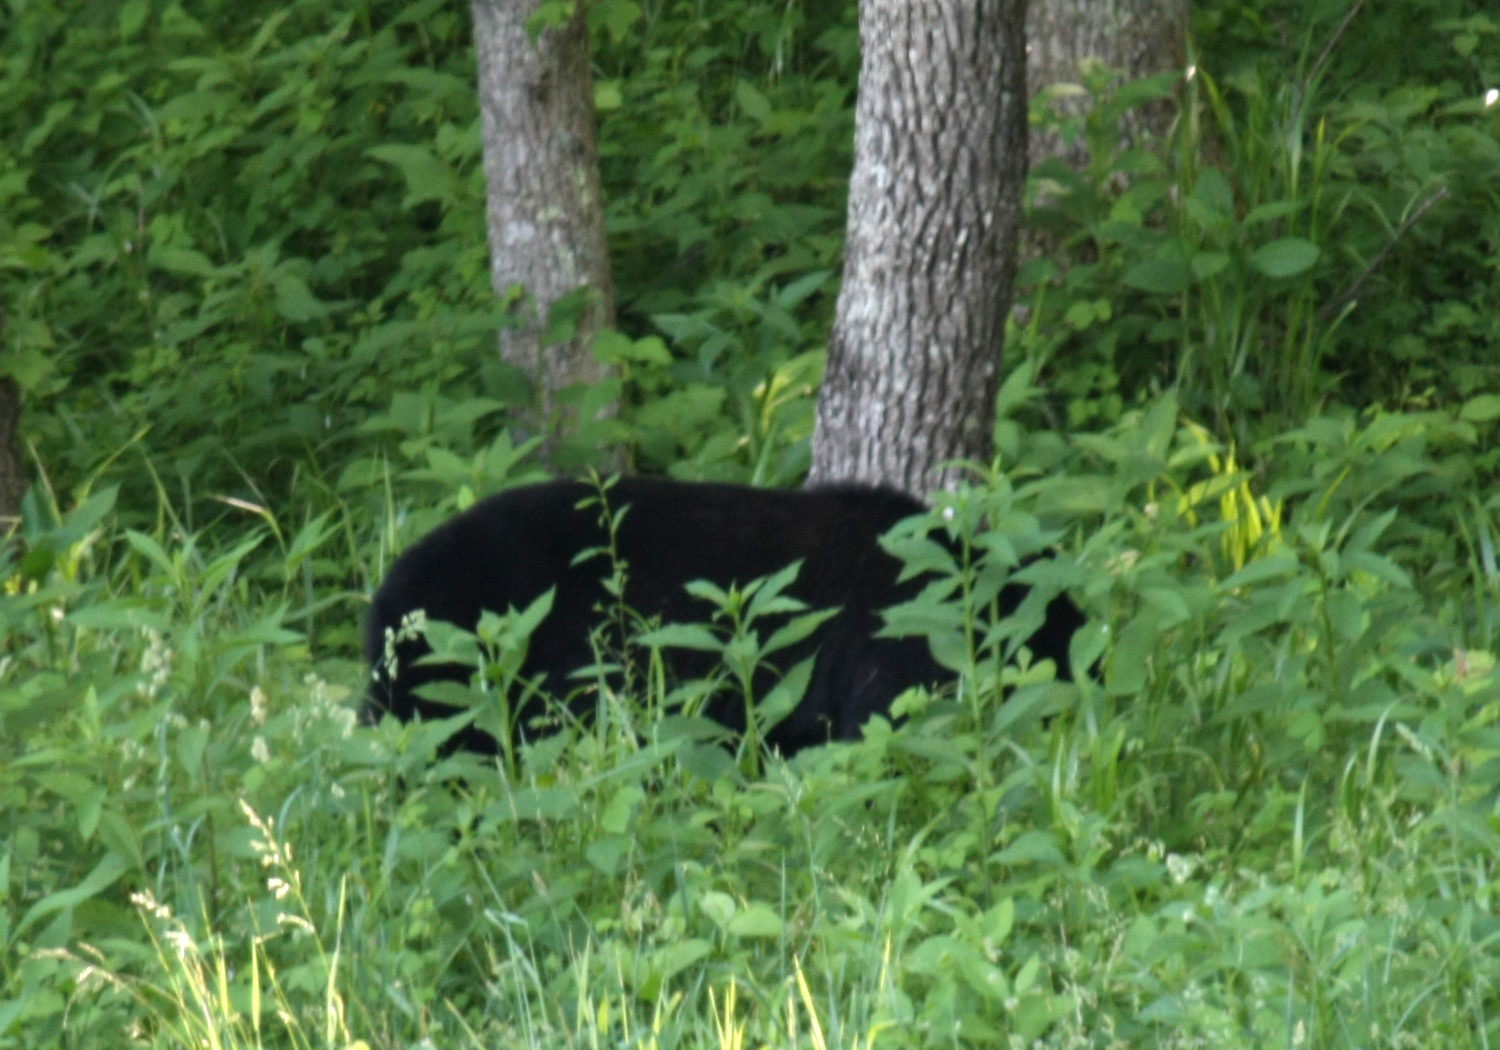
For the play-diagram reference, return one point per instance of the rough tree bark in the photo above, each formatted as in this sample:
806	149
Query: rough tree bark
12	465
934	211
1139	37
541	166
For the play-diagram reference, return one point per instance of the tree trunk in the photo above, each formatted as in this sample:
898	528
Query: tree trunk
12	465
541	165
934	211
1138	37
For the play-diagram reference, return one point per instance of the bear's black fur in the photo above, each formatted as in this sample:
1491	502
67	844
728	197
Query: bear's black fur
507	550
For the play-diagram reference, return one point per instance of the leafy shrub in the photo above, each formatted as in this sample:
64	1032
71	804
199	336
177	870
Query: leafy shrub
1267	819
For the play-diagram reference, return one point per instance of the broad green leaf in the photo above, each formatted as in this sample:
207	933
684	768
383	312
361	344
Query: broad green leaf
1286	257
614	16
1031	847
755	105
133	15
755	920
1161	276
105	874
784	696
607	95
184	261
428	178
295	301
674	958
1260	570
607	852
718	906
117	834
1207	264
550	14
1481	409
1272	210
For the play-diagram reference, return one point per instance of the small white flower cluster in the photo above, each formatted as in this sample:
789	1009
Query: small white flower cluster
412	625
324	703
259	749
156	664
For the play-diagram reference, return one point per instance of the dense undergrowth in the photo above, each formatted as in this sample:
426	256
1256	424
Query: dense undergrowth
1251	406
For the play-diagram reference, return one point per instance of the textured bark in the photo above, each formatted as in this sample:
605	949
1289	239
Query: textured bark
12	465
934	210
541	166
1139	37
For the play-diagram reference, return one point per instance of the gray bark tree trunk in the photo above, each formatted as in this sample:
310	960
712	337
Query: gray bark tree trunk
934	212
541	166
1139	37
12	464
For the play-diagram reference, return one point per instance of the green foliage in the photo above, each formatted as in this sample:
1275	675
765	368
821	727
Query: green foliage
244	272
230	235
1269	819
726	159
1262	262
242	227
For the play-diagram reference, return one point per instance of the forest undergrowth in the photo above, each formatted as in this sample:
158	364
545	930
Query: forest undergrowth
1251	405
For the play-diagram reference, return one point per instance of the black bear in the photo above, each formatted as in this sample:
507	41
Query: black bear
507	550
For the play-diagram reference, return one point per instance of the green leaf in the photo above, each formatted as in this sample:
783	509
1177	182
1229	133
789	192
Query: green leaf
308	539
1378	565
295	300
1125	674
1161	276
934	955
613	347
542	803
1286	257
1079	314
1260	570
1481	409
148	546
784	696
117	834
709	592
801	627
682	636
614	16
82	521
1272	210
755	105
708	762
133	15
450	694
804	286
674	958
1214	191
718	906
755	920
183	261
428	177
995	924
1031	847
606	853
120	614
551	14
105	874
607	95
1207	264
